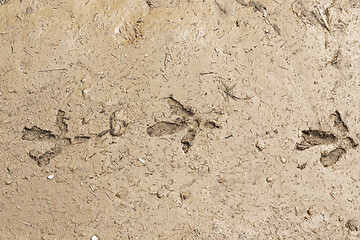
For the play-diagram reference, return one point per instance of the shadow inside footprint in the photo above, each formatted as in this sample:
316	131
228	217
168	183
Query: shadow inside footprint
164	128
315	137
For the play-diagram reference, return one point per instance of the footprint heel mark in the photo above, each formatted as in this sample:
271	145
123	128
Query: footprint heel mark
315	137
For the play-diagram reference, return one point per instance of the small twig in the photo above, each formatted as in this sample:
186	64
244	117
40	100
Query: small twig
108	196
227	137
228	92
221	8
141	160
166	79
206	73
114	56
54	69
283	67
323	18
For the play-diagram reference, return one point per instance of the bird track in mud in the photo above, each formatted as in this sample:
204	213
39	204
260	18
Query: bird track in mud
187	120
343	143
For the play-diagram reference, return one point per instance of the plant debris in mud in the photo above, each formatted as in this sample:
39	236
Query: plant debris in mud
352	225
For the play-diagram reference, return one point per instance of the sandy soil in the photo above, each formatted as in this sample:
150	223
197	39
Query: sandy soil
175	119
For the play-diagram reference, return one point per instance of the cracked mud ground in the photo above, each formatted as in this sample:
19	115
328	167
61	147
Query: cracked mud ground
179	119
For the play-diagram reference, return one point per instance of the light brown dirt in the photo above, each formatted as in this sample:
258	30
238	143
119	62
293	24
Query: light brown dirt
229	119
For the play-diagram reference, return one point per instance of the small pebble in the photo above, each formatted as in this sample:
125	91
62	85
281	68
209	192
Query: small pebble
302	166
260	145
221	179
86	92
185	195
269	179
159	194
51	176
282	159
310	211
85	120
94	238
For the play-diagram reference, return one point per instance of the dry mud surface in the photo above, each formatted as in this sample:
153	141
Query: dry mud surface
179	119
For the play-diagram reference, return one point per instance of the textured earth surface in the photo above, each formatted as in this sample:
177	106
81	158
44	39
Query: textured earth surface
180	119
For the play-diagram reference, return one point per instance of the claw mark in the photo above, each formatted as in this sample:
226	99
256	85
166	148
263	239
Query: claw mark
339	123
350	143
